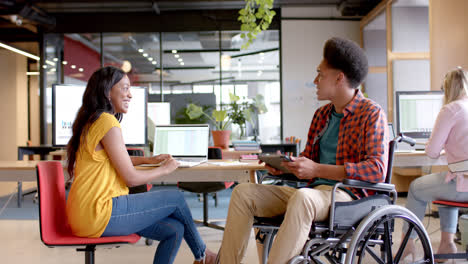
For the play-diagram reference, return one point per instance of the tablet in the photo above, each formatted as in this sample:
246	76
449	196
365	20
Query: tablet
274	160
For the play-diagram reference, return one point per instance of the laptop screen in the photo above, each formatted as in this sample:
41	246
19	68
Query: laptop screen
181	140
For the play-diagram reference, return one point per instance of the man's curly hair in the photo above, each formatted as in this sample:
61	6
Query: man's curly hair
346	56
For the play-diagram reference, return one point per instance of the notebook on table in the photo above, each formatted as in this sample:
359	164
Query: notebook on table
188	144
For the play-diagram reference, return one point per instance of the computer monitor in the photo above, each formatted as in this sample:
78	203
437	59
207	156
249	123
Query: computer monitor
182	140
160	112
416	112
67	100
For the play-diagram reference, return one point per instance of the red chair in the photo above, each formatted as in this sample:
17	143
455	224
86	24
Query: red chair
459	255
53	222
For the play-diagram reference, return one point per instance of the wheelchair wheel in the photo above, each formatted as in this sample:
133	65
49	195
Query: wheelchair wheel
375	233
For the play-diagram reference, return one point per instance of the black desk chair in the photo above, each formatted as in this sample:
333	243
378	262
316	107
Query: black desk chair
207	187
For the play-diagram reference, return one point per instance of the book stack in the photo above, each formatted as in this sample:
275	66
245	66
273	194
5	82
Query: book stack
245	145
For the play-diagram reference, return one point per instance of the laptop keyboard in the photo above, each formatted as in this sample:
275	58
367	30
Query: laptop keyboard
187	163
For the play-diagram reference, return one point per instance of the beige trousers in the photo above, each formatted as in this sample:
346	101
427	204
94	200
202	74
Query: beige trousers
300	206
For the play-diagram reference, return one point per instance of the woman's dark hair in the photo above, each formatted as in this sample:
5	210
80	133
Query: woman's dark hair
346	56
96	100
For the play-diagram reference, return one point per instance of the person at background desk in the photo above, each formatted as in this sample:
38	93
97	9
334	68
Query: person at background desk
98	203
450	133
348	138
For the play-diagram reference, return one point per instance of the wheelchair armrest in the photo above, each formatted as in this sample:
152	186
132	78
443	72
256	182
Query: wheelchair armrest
368	185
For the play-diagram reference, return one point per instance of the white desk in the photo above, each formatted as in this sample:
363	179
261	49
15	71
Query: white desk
407	166
416	159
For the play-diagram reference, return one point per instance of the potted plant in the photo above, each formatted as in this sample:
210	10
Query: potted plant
220	120
233	113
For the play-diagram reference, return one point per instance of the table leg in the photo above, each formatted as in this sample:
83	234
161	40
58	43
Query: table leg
253	176
20	193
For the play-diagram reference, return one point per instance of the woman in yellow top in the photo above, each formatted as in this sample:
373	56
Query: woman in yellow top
98	203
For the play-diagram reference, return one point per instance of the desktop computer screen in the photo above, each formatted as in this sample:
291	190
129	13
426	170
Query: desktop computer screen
416	112
67	100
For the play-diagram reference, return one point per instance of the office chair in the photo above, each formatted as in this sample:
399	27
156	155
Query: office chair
459	255
53	222
207	187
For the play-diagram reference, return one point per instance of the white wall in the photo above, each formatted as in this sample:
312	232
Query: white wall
301	52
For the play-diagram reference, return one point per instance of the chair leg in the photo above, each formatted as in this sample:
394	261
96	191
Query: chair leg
205	209
89	253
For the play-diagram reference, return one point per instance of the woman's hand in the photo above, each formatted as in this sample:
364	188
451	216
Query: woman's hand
159	158
169	165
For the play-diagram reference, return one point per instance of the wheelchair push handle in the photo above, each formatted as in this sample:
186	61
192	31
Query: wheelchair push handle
402	138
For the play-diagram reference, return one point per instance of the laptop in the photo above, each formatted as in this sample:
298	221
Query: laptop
188	144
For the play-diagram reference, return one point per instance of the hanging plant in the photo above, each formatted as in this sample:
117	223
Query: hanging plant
255	17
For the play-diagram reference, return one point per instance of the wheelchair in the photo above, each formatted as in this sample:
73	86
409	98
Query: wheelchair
359	231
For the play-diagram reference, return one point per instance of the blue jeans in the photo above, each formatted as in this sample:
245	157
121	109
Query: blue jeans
433	187
159	215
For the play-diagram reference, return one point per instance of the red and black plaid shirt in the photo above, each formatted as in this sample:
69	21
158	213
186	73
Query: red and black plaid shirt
362	140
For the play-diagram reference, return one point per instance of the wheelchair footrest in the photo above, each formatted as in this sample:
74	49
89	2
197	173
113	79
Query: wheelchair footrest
268	221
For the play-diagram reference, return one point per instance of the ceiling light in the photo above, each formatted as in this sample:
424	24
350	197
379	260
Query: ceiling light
44	66
174	51
80	69
53	70
153	62
180	59
150	59
32	73
73	66
177	55
126	66
182	63
55	59
24	53
145	54
140	50
226	62
64	62
262	54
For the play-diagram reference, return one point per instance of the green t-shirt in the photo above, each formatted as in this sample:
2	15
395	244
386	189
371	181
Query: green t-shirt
329	140
328	143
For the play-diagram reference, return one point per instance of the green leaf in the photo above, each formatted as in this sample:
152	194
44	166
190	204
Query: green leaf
233	97
219	115
194	111
244	27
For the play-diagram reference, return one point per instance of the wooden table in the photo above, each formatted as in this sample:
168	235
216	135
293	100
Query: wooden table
230	153
25	170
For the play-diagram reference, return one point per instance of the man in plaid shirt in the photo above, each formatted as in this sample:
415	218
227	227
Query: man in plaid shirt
348	139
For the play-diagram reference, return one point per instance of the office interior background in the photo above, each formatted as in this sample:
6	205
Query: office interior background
184	49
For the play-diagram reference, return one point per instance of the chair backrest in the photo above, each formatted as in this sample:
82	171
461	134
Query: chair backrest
391	150
136	152
51	190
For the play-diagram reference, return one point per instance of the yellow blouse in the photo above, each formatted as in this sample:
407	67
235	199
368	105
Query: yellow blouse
96	182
